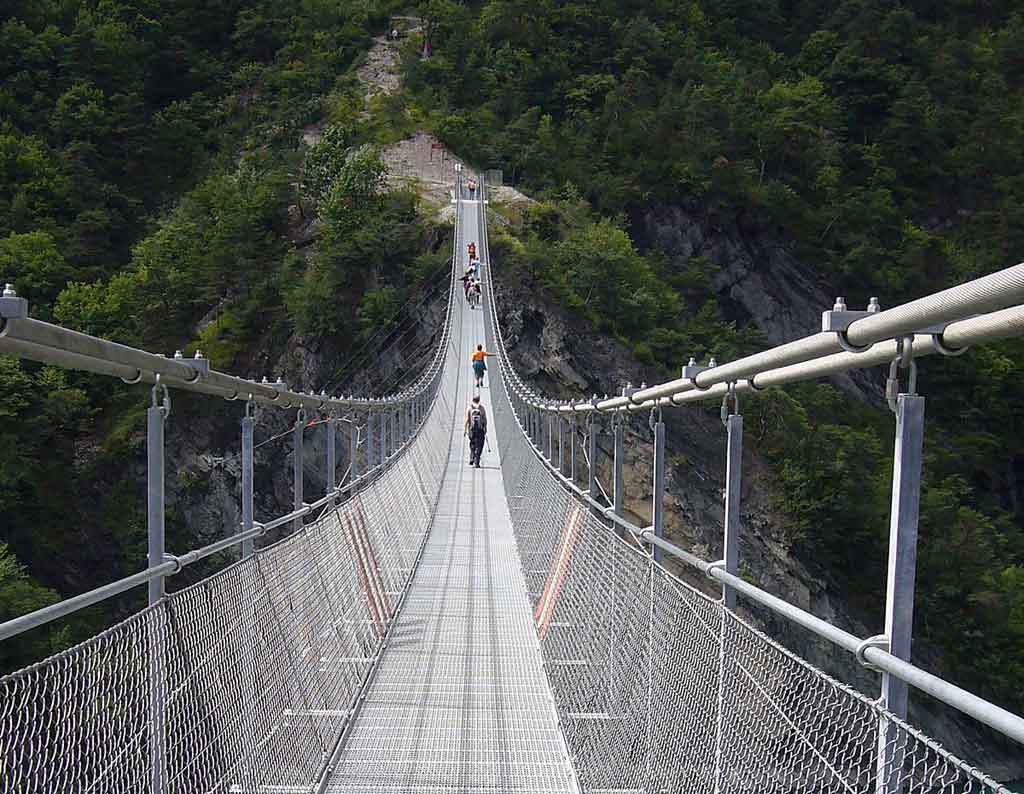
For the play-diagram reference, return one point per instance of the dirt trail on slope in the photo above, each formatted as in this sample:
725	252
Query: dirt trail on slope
421	162
380	72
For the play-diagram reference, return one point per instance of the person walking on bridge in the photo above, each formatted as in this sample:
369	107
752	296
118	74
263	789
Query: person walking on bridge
480	365
476	429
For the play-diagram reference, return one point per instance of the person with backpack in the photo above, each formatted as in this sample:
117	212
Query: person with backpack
476	429
480	365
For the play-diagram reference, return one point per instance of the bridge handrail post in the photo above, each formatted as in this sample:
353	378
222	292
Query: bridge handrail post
561	443
353	447
592	455
900	580
733	483
370	454
297	450
383	422
248	429
658	485
618	459
332	459
156	417
572	449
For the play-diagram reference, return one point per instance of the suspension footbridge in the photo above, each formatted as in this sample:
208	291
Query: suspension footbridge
429	626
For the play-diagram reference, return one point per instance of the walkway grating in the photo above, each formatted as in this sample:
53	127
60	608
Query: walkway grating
460	701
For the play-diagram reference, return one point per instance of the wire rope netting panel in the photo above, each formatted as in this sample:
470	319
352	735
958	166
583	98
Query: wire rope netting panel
660	688
245	681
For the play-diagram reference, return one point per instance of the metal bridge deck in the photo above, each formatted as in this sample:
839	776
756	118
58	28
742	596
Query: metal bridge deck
460	702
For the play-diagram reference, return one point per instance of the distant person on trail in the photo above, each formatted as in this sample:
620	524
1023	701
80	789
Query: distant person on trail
476	429
472	251
479	365
475	292
471	184
467	281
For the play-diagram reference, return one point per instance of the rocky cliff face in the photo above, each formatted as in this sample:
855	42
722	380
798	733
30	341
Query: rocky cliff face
756	277
761	283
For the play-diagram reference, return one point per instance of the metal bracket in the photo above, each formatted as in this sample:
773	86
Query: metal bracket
692	370
11	306
198	362
839	320
712	566
877	641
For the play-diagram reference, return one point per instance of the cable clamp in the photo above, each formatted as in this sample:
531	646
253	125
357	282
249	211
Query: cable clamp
250	408
880	641
839	320
730	395
177	563
165	404
11	306
136	379
940	346
717	565
693	369
198	362
904	359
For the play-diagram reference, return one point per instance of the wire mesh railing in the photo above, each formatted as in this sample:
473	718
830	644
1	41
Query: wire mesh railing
660	688
247	680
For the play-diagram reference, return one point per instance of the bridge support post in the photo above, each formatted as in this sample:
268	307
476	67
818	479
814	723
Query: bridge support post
658	486
551	438
332	460
300	424
156	416
619	452
369	440
592	455
561	444
383	421
572	449
353	447
248	428
900	579
733	474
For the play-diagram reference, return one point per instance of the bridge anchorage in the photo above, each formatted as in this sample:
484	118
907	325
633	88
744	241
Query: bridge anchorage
431	627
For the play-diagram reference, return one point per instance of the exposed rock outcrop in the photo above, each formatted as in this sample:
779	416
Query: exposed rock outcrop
757	278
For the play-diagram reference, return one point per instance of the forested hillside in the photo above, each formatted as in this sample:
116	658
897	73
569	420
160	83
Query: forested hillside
884	141
154	189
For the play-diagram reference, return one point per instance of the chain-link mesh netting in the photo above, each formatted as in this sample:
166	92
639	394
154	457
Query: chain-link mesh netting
245	681
660	688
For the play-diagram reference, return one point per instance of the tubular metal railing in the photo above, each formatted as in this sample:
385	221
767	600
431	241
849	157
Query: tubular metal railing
981	311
